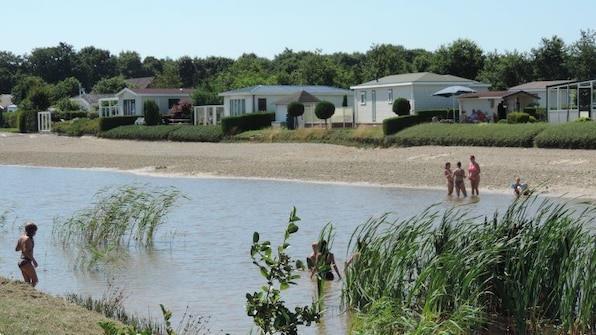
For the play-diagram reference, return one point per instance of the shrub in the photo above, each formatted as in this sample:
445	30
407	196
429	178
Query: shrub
197	134
583	119
11	119
401	106
40	98
394	124
573	135
241	123
107	123
78	127
363	136
68	115
151	113
146	133
488	135
295	109
66	105
27	121
428	115
324	110
518	117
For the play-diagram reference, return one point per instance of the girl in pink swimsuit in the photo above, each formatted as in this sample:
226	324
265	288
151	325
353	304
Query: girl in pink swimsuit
474	174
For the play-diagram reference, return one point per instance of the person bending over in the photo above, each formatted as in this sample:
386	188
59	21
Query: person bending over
25	245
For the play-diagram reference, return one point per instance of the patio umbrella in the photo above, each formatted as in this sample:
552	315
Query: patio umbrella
453	91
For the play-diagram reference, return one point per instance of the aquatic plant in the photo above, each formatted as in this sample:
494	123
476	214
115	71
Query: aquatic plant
528	269
266	306
119	218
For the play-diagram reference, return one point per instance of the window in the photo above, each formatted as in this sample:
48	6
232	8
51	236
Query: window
492	103
262	105
128	106
363	98
390	96
237	107
172	102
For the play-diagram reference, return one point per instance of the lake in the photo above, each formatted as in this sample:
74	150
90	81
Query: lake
201	255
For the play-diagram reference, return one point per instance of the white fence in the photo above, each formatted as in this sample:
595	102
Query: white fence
210	114
44	122
343	116
562	116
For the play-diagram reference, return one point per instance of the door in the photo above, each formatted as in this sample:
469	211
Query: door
584	99
373	104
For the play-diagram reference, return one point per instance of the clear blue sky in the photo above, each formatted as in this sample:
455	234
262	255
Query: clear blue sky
229	28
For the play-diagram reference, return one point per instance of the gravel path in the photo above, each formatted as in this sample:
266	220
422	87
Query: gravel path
571	172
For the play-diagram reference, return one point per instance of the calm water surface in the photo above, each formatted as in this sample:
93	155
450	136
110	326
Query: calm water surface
201	257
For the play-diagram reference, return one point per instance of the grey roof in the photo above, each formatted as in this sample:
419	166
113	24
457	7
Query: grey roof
286	90
419	77
5	100
142	82
538	85
301	96
92	98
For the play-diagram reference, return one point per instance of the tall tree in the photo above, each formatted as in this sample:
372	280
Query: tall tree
54	63
10	67
550	60
129	64
383	60
66	88
23	86
462	58
169	77
506	70
582	56
95	64
152	66
187	72
247	70
109	85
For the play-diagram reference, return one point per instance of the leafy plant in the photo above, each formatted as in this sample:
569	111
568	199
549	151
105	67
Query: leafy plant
295	110
266	306
151	113
324	110
401	107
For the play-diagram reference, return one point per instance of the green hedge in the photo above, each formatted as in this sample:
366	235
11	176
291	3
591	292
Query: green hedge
145	133
427	115
488	135
573	135
27	121
394	124
78	127
197	134
68	115
241	123
11	119
107	123
518	117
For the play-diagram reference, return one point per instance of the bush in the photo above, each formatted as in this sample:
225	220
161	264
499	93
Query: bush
487	135
197	134
40	98
241	123
67	105
78	127
573	135
583	119
151	113
518	117
394	124
401	107
324	110
107	123
27	121
68	115
295	109
428	115
11	119
146	133
362	136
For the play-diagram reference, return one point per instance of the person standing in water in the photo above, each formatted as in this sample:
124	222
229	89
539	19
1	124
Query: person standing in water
459	176
25	245
321	257
474	174
449	176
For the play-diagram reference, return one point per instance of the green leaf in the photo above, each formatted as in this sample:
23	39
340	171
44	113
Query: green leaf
292	228
300	265
255	237
283	286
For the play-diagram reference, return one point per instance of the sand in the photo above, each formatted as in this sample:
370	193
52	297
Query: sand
559	172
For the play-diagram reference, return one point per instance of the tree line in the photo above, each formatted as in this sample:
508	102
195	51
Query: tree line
56	72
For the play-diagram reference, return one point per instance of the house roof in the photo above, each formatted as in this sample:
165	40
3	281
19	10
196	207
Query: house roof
142	82
302	96
92	98
538	85
494	95
418	77
159	91
5	100
286	90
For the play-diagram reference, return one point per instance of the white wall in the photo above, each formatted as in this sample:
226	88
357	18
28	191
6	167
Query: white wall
424	99
161	100
383	107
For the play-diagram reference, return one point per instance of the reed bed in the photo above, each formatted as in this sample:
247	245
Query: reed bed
528	270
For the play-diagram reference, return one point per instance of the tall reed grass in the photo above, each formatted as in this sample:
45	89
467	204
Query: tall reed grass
531	269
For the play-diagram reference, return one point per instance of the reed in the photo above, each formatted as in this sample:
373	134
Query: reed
531	269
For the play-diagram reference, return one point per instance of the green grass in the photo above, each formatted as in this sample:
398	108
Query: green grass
9	130
77	127
491	135
573	135
365	136
451	273
197	134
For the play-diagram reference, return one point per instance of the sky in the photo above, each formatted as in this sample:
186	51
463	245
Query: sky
266	27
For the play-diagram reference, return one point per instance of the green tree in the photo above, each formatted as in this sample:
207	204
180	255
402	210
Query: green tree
401	106
110	85
506	70
462	58
151	113
23	86
66	88
54	63
203	95
168	78
295	110
550	60
582	59
247	70
10	68
316	69
187	72
324	110
384	60
94	65
129	64
40	98
152	66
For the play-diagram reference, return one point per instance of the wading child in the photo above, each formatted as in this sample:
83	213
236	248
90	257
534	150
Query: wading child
459	176
449	176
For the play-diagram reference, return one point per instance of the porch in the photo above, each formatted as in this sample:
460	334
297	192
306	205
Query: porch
570	101
108	107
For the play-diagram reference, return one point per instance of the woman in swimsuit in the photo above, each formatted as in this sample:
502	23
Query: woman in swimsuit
322	259
25	245
474	174
449	176
459	175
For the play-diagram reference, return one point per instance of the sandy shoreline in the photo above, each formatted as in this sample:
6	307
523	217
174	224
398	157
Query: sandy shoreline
570	172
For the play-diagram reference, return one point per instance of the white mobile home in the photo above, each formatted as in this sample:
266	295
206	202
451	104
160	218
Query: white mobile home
274	98
129	101
373	100
538	88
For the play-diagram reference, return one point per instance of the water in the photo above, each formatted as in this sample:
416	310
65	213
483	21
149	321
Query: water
201	257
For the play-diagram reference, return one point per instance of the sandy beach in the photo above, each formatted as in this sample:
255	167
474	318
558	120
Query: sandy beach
570	172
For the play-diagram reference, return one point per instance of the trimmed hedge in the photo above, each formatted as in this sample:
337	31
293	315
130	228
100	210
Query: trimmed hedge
78	127
487	135
145	133
572	135
401	107
251	121
151	113
27	121
107	123
11	119
518	117
362	136
428	115
197	134
68	115
394	124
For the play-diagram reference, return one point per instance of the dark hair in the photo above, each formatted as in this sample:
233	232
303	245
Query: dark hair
30	229
458	164
447	164
472	157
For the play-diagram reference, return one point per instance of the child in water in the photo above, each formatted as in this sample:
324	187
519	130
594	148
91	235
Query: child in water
449	176
459	176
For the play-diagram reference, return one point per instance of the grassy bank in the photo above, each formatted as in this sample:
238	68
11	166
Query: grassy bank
372	136
24	310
